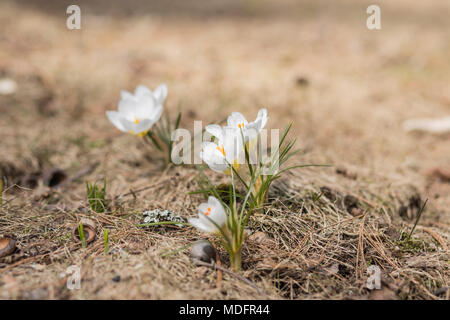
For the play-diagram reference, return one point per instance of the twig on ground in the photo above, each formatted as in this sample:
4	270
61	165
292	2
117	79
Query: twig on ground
133	192
437	237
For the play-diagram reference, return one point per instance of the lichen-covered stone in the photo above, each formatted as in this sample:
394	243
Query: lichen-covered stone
158	215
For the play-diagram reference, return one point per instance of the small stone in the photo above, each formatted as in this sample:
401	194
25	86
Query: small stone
116	279
158	215
7	246
203	250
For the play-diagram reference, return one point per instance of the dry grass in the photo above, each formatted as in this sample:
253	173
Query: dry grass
323	226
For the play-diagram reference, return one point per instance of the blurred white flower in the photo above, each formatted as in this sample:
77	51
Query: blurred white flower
213	210
138	112
436	126
7	86
225	151
237	121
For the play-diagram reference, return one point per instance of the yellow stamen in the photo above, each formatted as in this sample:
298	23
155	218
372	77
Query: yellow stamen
221	149
236	164
208	212
241	125
235	167
140	134
136	120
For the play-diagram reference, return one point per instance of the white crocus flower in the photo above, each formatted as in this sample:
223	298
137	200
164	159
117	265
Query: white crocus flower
237	121
138	112
207	211
250	130
225	151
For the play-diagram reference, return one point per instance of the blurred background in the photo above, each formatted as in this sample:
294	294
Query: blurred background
346	89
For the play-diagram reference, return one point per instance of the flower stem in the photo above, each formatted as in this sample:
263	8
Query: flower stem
236	260
260	195
161	145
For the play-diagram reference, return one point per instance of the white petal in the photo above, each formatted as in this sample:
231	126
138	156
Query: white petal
145	106
210	149
197	223
236	119
260	122
160	93
217	167
217	212
209	222
213	201
203	208
252	132
213	157
262	114
136	128
127	124
127	108
233	144
211	215
156	113
126	95
143	126
215	130
141	90
219	217
115	118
